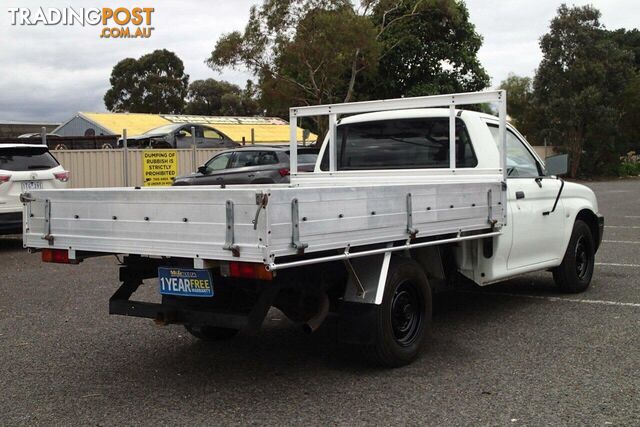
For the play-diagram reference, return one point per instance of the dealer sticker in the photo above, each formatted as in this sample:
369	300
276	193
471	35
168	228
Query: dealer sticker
185	282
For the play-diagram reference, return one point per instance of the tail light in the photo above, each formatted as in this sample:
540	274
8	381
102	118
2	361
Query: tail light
283	172
60	256
247	270
62	176
4	178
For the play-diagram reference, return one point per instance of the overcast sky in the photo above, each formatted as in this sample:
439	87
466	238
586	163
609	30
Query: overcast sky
47	73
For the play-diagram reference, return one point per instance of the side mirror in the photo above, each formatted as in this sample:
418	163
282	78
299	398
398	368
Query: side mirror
202	169
557	165
181	134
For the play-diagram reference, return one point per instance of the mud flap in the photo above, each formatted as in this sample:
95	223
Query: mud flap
367	278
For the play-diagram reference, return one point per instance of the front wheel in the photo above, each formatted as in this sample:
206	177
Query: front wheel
575	272
402	322
211	333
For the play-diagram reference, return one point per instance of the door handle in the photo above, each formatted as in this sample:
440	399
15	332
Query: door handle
251	175
519	195
219	178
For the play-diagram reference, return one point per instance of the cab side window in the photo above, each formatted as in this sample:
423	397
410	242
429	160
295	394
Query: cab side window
267	158
211	134
520	161
244	159
219	162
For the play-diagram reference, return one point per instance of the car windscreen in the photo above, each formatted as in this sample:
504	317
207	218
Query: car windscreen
26	158
162	129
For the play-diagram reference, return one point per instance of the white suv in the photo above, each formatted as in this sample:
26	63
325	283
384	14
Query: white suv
25	167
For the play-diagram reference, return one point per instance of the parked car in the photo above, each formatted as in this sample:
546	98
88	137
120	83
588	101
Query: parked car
178	135
25	167
250	165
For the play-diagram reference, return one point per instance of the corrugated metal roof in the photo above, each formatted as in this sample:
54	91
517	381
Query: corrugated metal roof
134	123
266	129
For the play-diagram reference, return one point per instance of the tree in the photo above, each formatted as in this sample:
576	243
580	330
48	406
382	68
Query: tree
327	51
153	83
429	47
520	104
301	51
578	86
211	97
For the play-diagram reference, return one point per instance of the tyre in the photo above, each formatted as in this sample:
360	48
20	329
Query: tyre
211	333
403	320
575	272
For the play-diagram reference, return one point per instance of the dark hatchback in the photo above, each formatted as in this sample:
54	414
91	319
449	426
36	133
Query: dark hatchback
250	165
177	135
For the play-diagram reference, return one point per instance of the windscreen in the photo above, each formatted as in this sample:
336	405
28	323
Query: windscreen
401	144
26	158
162	129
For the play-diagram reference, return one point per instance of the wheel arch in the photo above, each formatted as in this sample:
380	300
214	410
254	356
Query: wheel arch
591	219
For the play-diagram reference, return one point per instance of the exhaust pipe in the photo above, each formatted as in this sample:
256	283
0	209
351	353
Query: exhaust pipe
316	320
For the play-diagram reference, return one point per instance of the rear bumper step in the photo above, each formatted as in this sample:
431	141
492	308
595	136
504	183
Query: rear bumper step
132	276
166	315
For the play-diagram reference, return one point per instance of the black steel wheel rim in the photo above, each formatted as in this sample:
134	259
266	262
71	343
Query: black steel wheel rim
406	314
583	259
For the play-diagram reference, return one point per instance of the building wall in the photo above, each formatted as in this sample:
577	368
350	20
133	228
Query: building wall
78	126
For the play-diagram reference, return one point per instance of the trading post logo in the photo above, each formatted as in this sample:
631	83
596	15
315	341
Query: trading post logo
118	23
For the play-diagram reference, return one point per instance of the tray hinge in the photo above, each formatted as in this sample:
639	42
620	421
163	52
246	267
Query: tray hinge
295	228
47	222
410	230
229	244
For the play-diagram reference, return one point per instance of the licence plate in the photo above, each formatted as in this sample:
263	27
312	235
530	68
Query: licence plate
185	282
31	185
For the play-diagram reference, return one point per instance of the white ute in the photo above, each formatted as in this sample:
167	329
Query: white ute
393	212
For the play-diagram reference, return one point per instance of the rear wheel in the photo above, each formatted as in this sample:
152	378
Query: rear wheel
402	321
211	333
575	272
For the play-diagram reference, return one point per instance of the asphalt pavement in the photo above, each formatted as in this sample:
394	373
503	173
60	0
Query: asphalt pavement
515	354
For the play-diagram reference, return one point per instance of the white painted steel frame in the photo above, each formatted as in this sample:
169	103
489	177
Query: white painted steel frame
349	255
498	97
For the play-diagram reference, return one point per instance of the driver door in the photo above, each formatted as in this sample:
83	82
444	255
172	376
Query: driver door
216	170
536	237
184	138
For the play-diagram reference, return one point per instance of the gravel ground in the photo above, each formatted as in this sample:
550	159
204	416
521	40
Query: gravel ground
516	353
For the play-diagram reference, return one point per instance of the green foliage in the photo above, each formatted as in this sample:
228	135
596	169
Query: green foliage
154	83
429	47
327	51
629	164
211	97
519	100
578	88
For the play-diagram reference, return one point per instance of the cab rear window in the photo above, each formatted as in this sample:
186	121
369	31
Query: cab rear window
26	158
401	144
